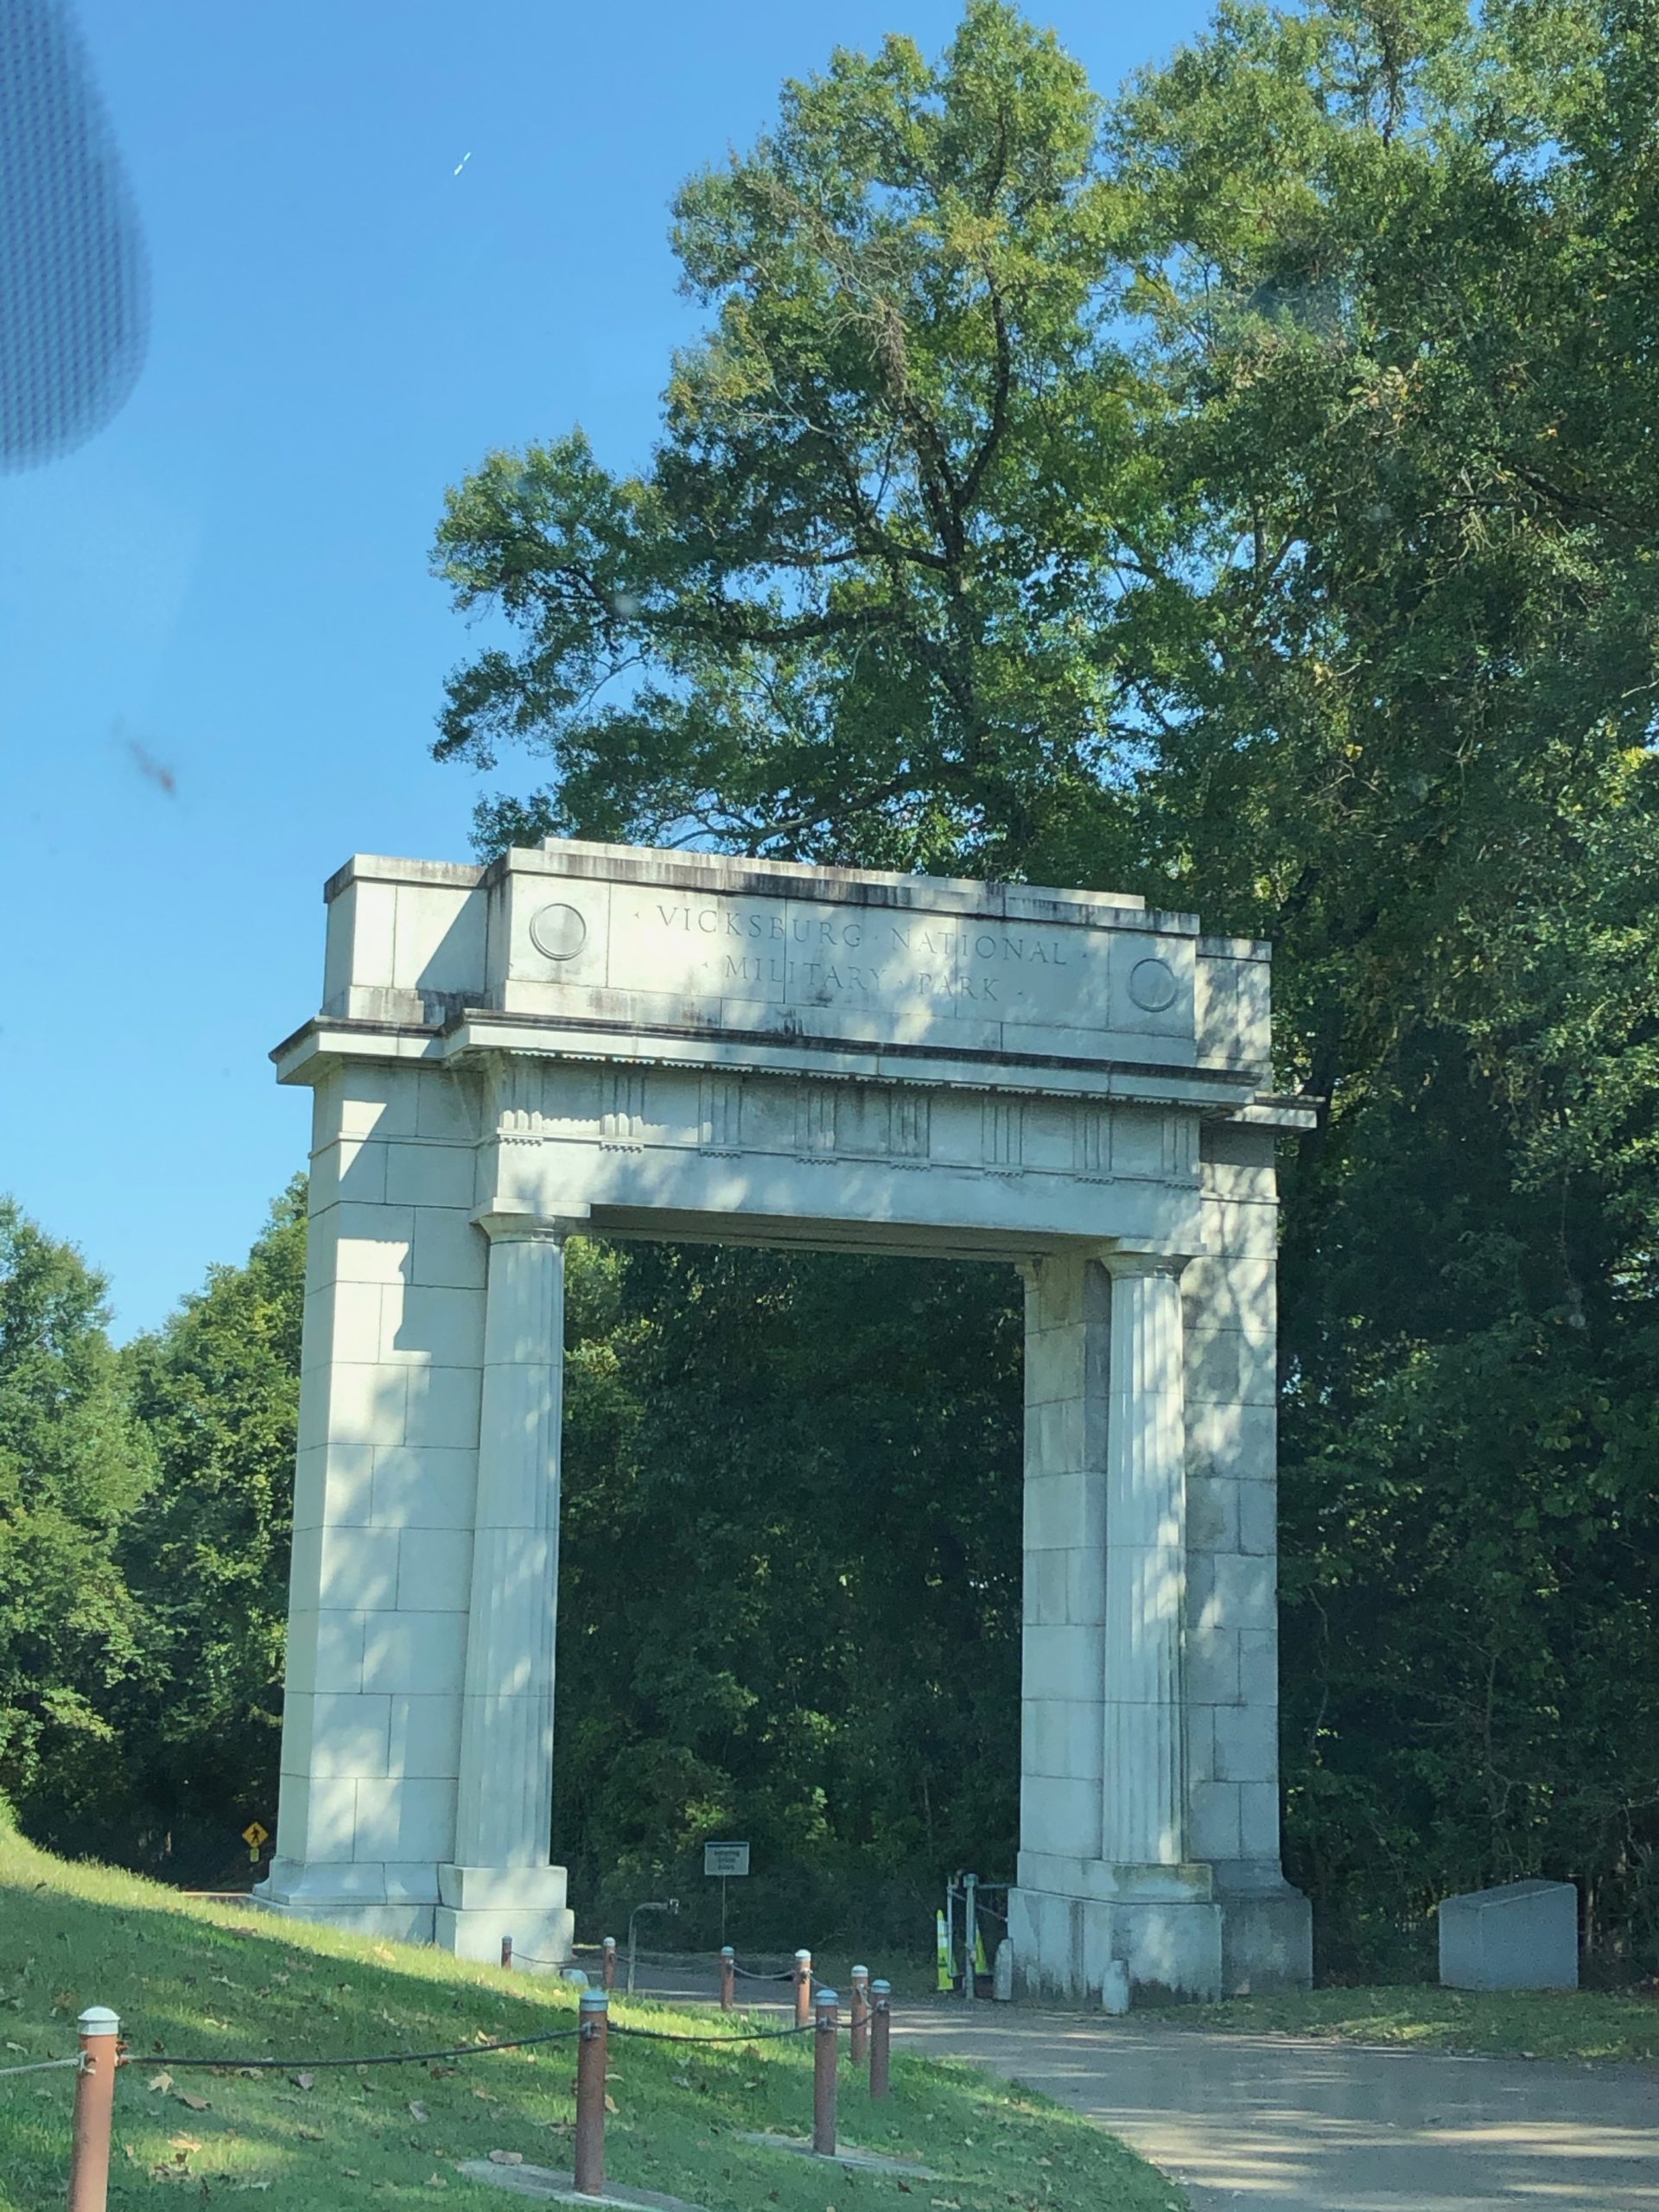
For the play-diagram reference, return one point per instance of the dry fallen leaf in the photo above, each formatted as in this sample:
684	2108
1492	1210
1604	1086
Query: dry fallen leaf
610	2102
194	2104
312	2135
507	2158
187	2144
485	2098
436	2181
416	2109
305	2081
163	2081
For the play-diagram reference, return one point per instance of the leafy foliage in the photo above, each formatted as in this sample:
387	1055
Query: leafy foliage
775	1619
1242	494
73	1466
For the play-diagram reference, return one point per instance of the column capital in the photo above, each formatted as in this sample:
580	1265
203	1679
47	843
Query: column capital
1121	1260
504	1227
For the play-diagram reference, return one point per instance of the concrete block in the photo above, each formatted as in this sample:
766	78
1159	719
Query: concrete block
430	1174
1045	1603
443	1326
1065	1511
1258	1518
1062	1738
1266	1932
1237	1440
349	1167
434	1570
1227	1590
406	1820
366	1404
1258	1820
358	1568
424	1486
449	1250
1213	1667
1200	1738
448	1107
423	1654
329	1829
1053	1365
1062	1662
1212	1513
442	1407
1247	1742
349	1735
1213	1820
1522	1936
1060	1814
377	1101
325	1650
1231	1293
333	1483
424	1736
371	1242
1258	1665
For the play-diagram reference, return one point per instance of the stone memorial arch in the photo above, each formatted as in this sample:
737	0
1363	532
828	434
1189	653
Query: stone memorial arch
680	1045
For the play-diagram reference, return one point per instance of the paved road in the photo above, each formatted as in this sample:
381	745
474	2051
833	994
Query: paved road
1275	2123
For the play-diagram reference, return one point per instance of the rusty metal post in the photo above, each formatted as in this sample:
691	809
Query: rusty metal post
859	2039
608	1971
593	2015
727	1979
826	2049
506	1952
803	1988
881	2022
89	2156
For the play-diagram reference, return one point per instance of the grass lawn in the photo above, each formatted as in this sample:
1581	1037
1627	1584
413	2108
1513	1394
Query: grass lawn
191	1978
1506	2024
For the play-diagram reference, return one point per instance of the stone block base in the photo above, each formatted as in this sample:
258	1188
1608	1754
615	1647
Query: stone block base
1266	1932
387	1924
478	1905
1162	1925
364	1899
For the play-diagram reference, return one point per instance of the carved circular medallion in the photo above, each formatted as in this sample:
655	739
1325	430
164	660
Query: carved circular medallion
1151	985
559	933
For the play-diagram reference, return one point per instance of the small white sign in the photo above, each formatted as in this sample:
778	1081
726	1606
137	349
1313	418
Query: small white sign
725	1858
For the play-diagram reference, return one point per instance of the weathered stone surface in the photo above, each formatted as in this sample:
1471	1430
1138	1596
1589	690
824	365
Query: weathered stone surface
643	1042
1522	1936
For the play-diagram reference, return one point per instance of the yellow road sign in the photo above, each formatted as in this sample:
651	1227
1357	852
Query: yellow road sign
253	1835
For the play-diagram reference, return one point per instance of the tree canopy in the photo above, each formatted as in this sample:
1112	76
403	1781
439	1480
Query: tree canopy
1239	493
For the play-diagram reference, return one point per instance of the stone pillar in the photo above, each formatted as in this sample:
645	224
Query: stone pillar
1143	1782
1105	1885
501	1882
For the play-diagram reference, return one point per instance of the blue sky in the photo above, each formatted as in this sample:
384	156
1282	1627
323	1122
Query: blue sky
232	578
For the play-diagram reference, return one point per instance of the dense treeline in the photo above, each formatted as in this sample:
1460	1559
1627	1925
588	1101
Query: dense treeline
1242	494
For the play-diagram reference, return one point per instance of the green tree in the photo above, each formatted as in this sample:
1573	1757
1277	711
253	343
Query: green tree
858	602
1242	495
217	1388
73	1466
777	1620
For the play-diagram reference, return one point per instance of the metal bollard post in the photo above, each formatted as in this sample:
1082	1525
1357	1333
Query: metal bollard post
594	2020
826	2048
506	1952
803	1988
727	1979
89	2156
608	1970
881	2022
859	2039
971	1936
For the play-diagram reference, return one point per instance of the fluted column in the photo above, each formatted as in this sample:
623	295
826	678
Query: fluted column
1142	1787
504	1805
